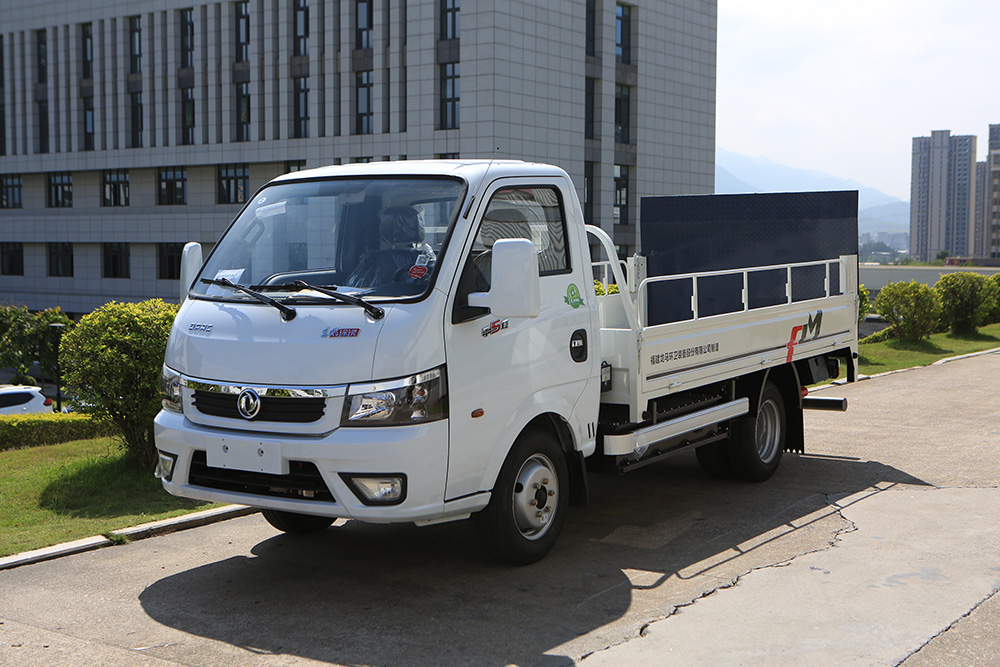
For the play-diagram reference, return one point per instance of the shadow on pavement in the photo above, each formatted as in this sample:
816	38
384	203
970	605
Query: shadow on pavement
362	594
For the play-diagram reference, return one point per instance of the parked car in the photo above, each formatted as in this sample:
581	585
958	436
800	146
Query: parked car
19	400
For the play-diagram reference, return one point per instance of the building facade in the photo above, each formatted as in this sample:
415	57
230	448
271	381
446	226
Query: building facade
130	128
990	199
942	195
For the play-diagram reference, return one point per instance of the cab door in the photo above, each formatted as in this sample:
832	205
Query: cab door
502	372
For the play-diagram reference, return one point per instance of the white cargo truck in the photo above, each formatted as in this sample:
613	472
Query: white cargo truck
421	341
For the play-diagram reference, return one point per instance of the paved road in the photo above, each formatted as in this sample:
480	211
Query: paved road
879	547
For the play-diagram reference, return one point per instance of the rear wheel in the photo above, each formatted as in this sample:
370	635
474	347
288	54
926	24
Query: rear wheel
297	524
759	439
528	505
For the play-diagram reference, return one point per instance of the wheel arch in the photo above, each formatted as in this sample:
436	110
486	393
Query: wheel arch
786	379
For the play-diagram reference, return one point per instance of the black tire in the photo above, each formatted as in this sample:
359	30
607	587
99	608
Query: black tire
758	440
714	460
528	506
297	524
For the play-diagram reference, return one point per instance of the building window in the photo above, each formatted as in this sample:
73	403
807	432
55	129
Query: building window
242	112
168	261
449	19
589	109
3	120
115	262
60	260
134	45
10	191
300	119
172	186
12	259
620	210
242	32
115	188
449	96
187	116
41	56
135	120
295	165
363	19
43	127
186	17
234	182
589	174
623	34
88	123
364	114
623	97
87	50
591	27
60	190
301	41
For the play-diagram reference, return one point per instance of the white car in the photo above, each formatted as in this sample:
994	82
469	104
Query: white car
21	400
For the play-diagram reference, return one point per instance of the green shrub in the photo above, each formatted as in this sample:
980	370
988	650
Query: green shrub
113	360
864	303
911	308
995	311
26	337
880	336
967	301
601	290
49	429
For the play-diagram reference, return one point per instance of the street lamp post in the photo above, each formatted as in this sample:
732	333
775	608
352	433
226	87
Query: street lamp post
59	328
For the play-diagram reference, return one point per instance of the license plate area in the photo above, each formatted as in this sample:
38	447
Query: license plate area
247	455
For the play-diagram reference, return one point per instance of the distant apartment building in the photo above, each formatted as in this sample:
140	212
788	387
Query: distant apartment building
128	129
990	198
942	195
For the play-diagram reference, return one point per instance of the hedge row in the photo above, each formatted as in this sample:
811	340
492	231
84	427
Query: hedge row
49	429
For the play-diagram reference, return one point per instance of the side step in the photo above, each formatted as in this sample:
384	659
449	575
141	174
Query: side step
639	440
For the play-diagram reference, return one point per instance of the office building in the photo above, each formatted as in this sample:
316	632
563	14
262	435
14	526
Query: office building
130	128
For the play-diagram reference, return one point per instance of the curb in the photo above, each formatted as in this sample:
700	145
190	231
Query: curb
152	529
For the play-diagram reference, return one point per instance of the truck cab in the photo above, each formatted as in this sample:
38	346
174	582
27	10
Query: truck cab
369	342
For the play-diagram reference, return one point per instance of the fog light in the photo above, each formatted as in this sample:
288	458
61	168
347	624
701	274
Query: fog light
165	466
378	489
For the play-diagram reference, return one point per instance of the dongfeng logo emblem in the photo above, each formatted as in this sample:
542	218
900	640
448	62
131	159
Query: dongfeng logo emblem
248	403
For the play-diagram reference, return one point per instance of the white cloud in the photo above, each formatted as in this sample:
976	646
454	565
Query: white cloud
843	87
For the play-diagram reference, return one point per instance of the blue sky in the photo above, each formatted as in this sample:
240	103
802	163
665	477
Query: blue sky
843	87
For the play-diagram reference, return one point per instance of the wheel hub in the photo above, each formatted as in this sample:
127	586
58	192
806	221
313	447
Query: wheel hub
535	496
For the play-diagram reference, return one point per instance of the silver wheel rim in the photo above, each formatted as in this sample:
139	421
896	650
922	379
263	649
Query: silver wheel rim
535	496
768	431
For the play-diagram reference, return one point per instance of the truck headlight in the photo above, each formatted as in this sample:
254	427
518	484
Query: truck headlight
410	400
170	390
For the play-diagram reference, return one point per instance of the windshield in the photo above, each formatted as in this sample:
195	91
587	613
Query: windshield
373	237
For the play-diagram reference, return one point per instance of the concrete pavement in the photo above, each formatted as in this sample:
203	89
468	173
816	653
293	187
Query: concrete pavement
878	547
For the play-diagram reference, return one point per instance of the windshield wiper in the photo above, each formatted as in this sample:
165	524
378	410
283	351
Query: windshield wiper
287	314
373	310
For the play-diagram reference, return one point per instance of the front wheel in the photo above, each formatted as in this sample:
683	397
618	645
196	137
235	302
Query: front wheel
297	524
528	505
758	440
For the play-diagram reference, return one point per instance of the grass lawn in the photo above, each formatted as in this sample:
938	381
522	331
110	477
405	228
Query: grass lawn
896	354
56	493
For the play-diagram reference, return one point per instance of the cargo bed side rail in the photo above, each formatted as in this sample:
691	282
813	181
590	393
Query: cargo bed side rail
845	285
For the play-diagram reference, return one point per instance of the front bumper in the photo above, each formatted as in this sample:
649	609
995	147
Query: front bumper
273	465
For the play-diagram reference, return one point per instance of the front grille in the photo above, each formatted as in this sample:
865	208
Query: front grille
302	483
272	409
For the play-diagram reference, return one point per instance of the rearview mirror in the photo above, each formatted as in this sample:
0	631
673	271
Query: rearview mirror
190	266
514	287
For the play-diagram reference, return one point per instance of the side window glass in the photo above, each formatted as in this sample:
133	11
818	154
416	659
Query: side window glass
533	213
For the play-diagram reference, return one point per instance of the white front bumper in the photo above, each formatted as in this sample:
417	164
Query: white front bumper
420	452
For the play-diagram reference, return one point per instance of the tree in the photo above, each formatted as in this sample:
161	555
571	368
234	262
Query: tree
113	360
913	309
864	303
967	300
941	255
15	342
